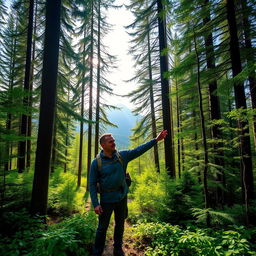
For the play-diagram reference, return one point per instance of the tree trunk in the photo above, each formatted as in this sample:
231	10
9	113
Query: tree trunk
240	99
178	128
250	61
214	110
182	147
168	143
54	145
90	106
8	164
67	136
204	139
194	114
30	103
47	108
97	118
81	137
24	118
152	104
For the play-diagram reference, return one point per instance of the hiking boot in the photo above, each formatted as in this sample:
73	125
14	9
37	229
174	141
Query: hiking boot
118	252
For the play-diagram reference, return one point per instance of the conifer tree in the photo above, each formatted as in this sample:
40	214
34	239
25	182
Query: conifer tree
240	99
48	96
247	15
166	104
24	118
144	36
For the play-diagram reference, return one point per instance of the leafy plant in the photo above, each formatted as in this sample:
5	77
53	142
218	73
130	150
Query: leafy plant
72	236
165	239
64	196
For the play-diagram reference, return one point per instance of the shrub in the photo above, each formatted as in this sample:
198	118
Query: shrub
165	239
19	231
64	196
73	236
156	197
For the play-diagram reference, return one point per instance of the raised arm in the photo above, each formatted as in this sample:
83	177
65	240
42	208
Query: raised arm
138	151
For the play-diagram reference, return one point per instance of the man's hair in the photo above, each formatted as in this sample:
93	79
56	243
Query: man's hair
103	138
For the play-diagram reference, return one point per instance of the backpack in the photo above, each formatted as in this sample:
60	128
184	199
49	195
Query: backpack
127	175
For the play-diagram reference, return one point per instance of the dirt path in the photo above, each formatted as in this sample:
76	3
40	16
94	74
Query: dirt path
129	246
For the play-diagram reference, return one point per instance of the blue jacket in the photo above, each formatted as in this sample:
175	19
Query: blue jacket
112	174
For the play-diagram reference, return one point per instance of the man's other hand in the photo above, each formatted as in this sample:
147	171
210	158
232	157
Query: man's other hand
98	210
161	135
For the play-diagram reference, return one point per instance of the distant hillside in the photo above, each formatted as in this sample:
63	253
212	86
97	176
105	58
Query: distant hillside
125	121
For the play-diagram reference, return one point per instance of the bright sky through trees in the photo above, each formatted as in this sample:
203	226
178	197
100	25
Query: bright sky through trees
118	42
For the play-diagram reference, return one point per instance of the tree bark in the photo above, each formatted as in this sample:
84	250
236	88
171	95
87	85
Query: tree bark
204	138
30	103
166	106
8	164
67	136
97	118
178	129
152	104
90	105
214	110
24	118
81	137
47	108
54	145
250	62
240	100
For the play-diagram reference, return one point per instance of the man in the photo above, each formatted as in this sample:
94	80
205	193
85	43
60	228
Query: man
110	176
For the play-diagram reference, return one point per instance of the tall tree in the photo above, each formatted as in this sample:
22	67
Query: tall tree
203	131
24	119
30	100
89	146
8	73
214	103
144	36
240	100
250	58
97	112
166	106
47	108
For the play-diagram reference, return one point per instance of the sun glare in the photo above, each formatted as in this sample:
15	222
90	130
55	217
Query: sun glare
95	62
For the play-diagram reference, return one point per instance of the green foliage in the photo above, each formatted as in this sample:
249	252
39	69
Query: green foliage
156	197
64	196
165	239
216	217
18	232
18	192
74	236
149	196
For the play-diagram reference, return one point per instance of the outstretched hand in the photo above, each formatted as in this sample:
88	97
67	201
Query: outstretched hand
161	135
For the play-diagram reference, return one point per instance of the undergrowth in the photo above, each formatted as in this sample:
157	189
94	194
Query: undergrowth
165	239
73	236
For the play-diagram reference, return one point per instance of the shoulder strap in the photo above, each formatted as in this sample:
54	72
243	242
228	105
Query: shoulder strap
99	162
120	159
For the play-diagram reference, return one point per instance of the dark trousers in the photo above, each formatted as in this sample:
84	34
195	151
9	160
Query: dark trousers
120	213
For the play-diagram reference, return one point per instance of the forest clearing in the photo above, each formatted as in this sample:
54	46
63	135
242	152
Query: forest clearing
190	81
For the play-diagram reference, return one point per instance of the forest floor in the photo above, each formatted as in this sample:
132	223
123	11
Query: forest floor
129	245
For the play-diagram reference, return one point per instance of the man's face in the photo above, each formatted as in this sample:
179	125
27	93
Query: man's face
109	144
